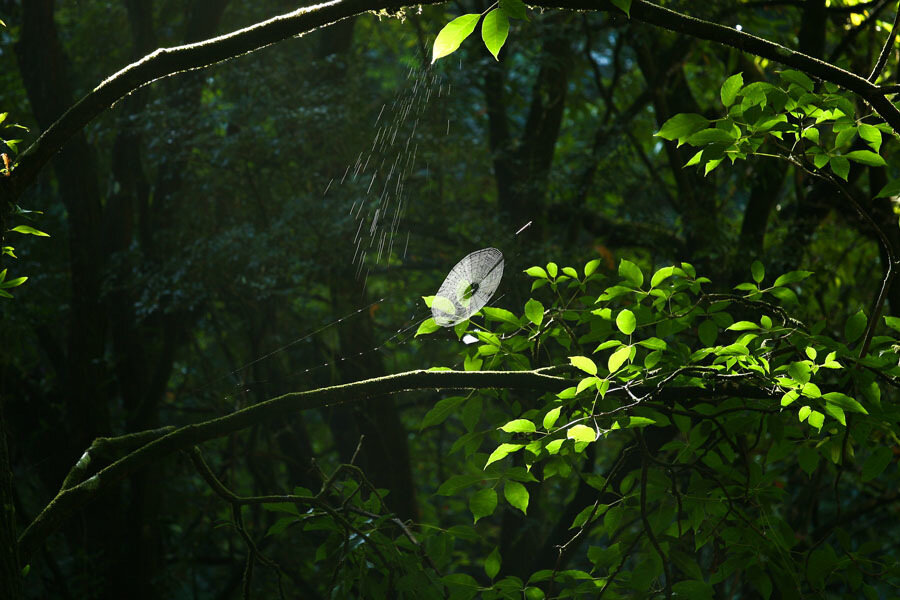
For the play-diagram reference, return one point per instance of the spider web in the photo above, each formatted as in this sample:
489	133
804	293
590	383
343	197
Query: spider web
468	287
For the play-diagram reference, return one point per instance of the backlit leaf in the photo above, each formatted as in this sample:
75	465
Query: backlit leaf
453	34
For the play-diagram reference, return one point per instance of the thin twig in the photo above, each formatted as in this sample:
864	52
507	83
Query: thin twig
886	49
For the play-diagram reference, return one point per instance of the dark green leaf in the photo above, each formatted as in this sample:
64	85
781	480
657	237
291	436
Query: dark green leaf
440	411
492	563
866	157
514	9
482	503
631	273
876	463
855	326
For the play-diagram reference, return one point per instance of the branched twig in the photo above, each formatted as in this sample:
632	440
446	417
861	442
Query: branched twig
886	49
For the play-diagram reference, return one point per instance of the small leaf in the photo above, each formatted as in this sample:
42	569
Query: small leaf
591	266
552	269
501	452
791	277
29	230
534	310
626	322
538	272
866	157
711	136
519	426
890	190
631	272
441	410
730	89
581	433
871	135
742	326
816	419
482	503
551	417
708	331
623	5
514	9
452	35
427	326
682	125
840	166
845	402
618	358
654	343
584	363
798	77
516	494
492	563
876	463
855	326
758	271
494	30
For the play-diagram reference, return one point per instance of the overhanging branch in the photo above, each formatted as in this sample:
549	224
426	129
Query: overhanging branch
161	443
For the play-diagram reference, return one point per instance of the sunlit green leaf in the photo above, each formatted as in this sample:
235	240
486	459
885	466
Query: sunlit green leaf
453	34
516	494
494	30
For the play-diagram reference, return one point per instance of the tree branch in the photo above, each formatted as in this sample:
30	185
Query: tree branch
165	442
886	49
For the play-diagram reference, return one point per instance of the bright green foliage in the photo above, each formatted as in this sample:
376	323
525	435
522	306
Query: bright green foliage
722	412
453	34
494	30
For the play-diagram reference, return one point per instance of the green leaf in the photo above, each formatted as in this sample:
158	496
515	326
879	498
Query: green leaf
791	277
538	272
551	417
876	463
427	326
516	494
798	77
866	157
581	433
681	126
890	190
711	136
29	231
514	9
452	35
626	322
13	282
494	30
840	166
519	426
871	135
855	326
623	5
708	331
845	402
893	322
742	326
457	483
440	411
730	89
552	269
591	266
654	343
631	273
502	451
661	275
693	589
534	310
500	314
758	271
618	358
492	563
816	419
482	503
584	363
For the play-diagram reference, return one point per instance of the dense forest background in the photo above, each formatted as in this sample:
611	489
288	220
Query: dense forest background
201	258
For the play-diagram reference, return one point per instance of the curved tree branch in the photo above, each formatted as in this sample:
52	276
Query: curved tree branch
76	494
169	61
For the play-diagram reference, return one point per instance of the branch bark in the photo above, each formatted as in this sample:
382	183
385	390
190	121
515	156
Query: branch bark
76	495
169	61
